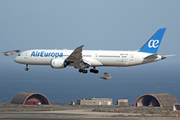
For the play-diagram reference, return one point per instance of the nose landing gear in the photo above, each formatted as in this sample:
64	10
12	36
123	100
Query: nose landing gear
26	69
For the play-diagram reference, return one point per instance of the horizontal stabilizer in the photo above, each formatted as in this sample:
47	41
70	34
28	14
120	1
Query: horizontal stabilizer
153	56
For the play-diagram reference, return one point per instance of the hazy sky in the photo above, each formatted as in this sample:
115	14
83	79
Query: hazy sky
97	24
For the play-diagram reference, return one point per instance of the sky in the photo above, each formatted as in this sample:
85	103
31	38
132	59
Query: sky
97	24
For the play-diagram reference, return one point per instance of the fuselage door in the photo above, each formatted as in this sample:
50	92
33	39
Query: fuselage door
96	55
131	57
124	58
25	55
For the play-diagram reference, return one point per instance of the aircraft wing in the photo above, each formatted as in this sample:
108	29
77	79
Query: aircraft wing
75	59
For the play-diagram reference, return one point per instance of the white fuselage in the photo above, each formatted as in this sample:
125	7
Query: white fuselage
92	57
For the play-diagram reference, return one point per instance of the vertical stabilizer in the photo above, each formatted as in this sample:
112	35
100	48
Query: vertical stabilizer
153	43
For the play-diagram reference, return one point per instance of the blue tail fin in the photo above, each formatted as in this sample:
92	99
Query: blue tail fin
153	43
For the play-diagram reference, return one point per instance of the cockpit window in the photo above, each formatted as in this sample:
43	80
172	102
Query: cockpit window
19	55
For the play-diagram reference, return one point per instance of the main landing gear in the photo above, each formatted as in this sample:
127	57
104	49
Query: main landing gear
94	71
91	70
26	69
83	71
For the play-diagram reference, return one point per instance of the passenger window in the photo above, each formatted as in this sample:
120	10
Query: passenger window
19	55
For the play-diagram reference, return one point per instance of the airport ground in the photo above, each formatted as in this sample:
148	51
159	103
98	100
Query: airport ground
10	111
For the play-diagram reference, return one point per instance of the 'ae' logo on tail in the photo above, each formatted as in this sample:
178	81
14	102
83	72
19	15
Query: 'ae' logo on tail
153	43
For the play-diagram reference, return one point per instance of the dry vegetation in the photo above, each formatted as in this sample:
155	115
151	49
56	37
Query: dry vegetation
123	111
141	111
8	107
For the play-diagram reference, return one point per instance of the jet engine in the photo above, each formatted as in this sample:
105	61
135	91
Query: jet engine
58	63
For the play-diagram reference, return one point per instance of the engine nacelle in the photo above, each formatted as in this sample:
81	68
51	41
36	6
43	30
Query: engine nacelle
58	63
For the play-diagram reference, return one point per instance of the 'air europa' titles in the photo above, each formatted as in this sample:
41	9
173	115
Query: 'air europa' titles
46	54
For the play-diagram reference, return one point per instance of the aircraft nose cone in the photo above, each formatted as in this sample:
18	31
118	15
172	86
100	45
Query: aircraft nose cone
16	59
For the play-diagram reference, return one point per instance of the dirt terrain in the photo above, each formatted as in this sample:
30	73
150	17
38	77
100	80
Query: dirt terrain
8	110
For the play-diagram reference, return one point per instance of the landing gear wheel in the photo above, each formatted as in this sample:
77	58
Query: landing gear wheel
80	70
83	71
26	69
94	71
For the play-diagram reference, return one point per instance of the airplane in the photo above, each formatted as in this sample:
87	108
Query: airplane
83	59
